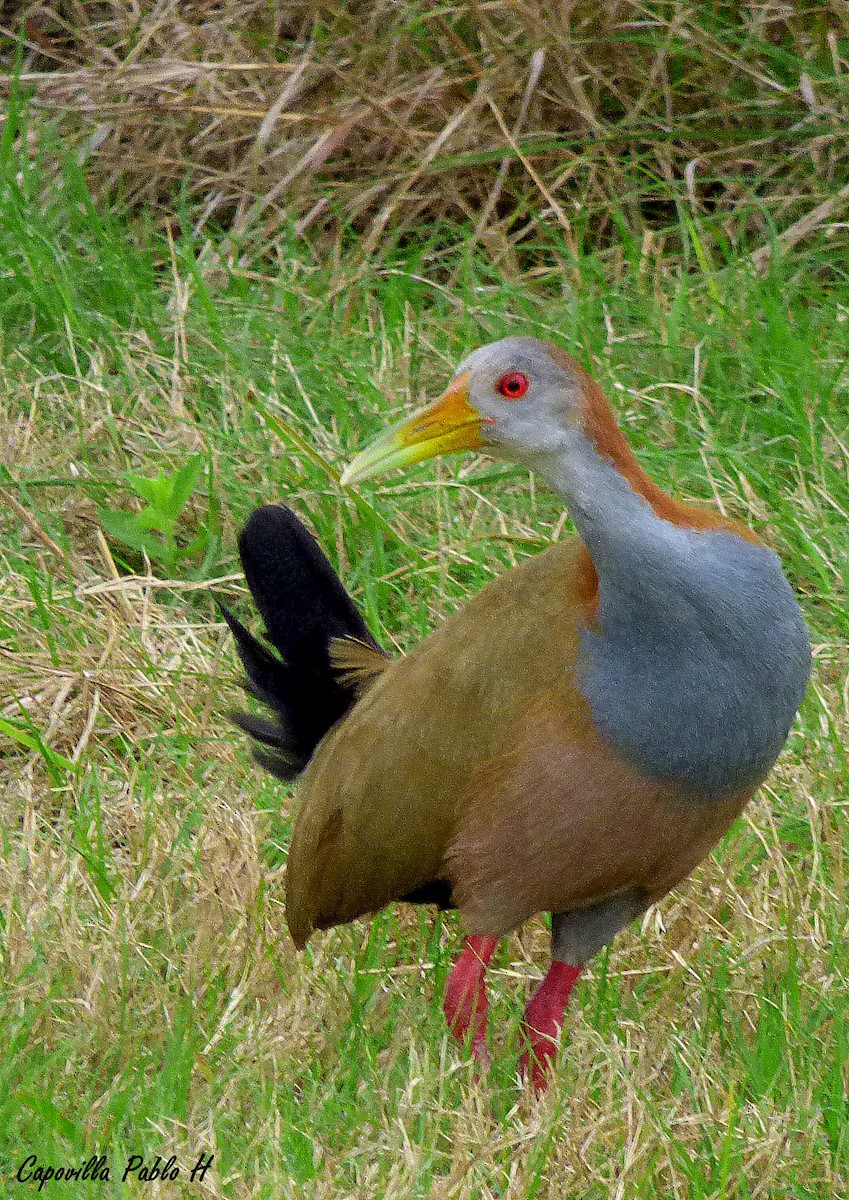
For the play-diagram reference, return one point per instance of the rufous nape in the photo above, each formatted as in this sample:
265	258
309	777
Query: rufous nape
574	740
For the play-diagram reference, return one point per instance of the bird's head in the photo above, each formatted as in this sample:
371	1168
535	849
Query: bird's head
515	399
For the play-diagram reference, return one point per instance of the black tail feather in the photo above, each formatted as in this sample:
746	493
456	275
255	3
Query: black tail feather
304	607
266	675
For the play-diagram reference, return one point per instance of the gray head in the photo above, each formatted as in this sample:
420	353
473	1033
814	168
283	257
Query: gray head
519	399
530	396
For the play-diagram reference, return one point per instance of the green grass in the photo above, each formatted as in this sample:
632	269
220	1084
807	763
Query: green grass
151	1001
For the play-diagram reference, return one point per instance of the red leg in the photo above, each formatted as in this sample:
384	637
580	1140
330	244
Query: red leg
465	1002
542	1021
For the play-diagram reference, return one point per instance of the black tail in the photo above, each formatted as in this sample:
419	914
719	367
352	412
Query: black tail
304	606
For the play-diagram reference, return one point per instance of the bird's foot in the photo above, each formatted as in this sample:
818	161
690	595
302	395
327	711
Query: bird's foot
542	1022
465	1002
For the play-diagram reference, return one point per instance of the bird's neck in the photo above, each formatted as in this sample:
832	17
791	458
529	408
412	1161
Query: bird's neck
618	509
610	444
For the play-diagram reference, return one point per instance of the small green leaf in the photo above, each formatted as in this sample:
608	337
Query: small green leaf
155	518
155	491
183	483
124	527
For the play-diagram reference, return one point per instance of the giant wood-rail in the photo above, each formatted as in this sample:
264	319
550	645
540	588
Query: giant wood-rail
574	740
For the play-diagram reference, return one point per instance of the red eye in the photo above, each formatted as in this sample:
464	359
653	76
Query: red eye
513	386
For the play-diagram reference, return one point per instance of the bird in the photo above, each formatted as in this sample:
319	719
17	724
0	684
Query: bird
572	741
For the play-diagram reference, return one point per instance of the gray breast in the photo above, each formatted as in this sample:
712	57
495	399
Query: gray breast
700	657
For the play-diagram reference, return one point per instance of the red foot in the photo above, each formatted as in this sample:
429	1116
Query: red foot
465	1002
542	1022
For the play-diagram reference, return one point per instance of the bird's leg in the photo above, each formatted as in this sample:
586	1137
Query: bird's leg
465	1001
576	936
542	1022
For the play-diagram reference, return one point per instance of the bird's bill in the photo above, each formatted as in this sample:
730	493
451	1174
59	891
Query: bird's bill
447	425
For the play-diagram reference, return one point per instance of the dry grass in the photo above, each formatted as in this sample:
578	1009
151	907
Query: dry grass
583	118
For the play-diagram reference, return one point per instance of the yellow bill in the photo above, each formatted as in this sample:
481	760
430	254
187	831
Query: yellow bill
447	425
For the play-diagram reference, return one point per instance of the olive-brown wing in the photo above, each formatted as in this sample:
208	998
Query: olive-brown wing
384	794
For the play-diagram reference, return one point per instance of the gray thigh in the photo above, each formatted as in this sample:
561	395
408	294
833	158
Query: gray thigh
580	933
